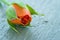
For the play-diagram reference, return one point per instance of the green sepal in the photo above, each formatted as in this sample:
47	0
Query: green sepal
32	11
12	26
42	14
10	13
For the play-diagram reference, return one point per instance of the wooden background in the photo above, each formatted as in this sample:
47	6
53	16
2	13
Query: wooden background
44	28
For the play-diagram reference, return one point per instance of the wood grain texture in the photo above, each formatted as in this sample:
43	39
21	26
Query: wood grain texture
41	29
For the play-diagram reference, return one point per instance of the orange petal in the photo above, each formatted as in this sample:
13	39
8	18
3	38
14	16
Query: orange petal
23	14
21	11
16	21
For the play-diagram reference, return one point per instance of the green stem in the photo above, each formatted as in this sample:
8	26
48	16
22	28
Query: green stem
0	5
5	2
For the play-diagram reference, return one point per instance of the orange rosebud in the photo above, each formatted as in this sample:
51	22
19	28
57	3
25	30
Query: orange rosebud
23	14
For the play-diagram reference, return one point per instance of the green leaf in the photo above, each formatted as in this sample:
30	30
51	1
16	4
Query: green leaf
32	11
10	13
12	26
